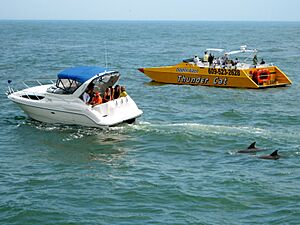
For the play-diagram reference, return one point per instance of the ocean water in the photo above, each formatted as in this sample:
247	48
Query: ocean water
178	164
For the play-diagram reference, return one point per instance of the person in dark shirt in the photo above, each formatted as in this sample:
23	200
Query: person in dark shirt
107	95
255	60
210	59
117	91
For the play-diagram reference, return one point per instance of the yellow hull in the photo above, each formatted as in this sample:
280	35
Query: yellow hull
187	73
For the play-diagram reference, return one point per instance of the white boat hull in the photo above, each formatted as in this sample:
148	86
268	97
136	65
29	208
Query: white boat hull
78	113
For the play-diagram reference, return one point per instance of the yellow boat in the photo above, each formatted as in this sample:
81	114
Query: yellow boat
221	71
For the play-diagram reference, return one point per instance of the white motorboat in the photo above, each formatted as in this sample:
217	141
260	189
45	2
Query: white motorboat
62	102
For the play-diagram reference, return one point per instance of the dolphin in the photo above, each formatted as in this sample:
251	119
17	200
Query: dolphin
251	149
273	156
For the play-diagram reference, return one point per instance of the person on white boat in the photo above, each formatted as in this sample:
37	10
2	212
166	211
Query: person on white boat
112	92
107	95
86	97
96	100
88	94
123	92
262	62
117	91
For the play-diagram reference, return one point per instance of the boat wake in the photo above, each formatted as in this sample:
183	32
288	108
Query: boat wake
197	128
217	130
116	133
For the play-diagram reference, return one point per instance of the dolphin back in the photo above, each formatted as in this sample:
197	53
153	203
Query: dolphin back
275	153
252	145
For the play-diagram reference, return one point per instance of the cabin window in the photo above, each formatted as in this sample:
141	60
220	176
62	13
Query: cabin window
33	97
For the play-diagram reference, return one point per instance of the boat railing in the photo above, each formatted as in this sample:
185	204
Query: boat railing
14	87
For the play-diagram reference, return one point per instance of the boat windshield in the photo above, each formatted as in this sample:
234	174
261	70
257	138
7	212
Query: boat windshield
68	86
64	86
105	81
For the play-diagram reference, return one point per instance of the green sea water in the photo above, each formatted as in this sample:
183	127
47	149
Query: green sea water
178	164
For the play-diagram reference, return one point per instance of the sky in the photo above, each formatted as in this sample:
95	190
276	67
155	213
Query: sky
203	10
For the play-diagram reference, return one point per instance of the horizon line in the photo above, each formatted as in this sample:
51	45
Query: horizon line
149	20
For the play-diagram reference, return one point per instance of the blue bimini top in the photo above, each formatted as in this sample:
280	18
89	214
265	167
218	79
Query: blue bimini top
82	73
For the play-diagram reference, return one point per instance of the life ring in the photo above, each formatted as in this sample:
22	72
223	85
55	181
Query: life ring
261	76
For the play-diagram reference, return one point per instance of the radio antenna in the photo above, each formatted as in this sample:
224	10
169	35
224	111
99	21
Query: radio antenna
105	54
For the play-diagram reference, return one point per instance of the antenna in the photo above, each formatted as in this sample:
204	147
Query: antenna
105	54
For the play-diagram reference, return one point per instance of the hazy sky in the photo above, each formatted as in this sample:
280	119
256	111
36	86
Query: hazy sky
262	10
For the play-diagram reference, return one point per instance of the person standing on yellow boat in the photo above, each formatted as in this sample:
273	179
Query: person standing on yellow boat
205	57
255	61
210	59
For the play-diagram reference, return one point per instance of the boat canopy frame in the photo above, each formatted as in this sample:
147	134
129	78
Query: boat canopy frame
243	49
69	80
100	83
215	50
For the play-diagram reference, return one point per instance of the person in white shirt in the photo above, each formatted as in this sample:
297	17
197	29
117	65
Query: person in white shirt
196	60
86	97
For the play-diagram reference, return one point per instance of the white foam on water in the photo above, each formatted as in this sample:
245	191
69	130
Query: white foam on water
197	127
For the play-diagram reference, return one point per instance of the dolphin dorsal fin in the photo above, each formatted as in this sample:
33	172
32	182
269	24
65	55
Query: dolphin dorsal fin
274	153
252	145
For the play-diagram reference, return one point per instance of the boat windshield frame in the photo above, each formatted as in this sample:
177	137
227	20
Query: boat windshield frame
100	83
243	50
67	85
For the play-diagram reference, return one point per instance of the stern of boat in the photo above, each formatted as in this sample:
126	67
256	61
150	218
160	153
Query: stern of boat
280	77
270	76
116	111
